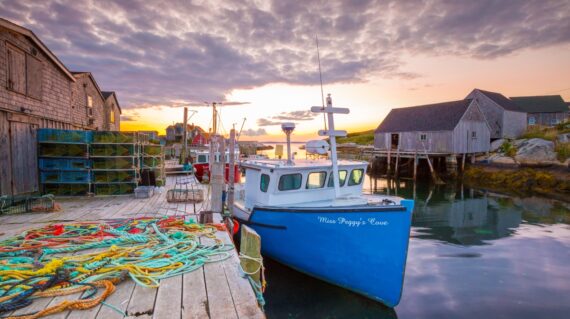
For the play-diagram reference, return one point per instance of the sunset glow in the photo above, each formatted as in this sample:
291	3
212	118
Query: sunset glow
375	56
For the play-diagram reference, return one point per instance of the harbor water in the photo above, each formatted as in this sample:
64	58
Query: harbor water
472	254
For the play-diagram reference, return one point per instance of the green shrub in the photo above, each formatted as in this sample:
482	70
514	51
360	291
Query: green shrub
508	149
563	151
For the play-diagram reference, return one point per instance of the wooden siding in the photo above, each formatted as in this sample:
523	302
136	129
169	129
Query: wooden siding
493	113
514	124
24	157
18	158
448	142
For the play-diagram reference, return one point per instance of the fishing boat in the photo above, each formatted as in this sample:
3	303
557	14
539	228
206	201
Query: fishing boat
313	217
202	165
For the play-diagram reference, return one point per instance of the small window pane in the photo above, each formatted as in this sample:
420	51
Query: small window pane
423	137
355	177
264	183
202	159
89	101
342	178
316	180
531	120
290	182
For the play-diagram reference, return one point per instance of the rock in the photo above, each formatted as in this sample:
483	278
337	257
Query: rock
535	151
564	138
496	144
517	143
500	159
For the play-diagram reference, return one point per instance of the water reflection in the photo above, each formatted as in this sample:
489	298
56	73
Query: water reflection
472	254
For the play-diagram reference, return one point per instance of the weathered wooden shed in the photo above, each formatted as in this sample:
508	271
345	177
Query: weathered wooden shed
505	118
456	127
36	91
547	110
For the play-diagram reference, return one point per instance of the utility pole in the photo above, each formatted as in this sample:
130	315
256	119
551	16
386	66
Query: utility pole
184	153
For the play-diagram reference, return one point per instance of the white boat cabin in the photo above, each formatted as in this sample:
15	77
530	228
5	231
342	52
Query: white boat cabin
307	183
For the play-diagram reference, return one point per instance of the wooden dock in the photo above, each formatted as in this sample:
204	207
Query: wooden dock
216	290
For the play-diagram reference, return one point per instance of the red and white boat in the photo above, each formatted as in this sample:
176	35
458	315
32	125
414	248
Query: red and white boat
202	165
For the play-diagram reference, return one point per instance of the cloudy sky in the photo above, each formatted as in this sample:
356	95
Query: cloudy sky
260	58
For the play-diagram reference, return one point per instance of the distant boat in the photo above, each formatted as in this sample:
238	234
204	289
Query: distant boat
202	165
324	226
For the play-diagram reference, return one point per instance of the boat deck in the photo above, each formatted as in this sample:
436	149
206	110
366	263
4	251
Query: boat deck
214	291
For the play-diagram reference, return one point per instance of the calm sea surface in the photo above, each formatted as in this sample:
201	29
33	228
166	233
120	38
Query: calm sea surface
472	254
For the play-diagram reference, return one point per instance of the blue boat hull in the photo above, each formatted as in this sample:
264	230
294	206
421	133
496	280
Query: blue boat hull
361	249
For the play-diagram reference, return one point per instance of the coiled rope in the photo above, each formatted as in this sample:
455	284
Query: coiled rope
63	259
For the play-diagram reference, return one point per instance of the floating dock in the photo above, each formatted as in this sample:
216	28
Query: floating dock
216	290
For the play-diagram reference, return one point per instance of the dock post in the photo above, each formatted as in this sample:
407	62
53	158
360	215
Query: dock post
431	169
397	163
415	166
217	169
463	163
231	171
389	162
250	254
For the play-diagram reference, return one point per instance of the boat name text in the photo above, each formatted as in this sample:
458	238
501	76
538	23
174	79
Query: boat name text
352	222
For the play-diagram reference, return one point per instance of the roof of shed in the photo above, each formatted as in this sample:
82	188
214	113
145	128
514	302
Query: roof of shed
541	103
501	100
432	117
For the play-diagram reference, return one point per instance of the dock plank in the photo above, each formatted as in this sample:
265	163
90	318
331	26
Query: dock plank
169	299
220	302
194	296
142	301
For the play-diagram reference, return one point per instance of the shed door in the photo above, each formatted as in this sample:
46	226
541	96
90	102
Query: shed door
395	141
24	157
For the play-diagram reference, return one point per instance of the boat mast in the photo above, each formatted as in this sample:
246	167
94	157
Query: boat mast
332	134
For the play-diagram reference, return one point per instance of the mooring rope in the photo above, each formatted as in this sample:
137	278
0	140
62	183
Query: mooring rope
63	259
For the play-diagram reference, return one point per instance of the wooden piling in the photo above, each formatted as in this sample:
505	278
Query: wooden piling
463	163
415	166
231	173
250	253
217	168
397	163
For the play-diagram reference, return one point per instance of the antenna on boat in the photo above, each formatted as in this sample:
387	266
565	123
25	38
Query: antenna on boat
321	78
288	128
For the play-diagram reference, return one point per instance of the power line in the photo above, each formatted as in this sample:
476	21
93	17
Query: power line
566	89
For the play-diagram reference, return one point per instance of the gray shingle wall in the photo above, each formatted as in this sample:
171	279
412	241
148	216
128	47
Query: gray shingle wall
82	88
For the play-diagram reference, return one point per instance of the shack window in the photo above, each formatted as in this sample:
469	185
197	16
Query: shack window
290	182
112	116
264	183
316	180
355	177
342	178
16	75
89	101
531	120
34	77
202	159
553	121
423	137
473	134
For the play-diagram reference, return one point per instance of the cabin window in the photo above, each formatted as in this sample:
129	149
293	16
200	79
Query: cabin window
531	120
342	178
112	117
423	137
264	183
553	121
202	159
473	134
316	180
355	177
290	182
89	101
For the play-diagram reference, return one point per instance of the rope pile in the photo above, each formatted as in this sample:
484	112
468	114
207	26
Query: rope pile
64	259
